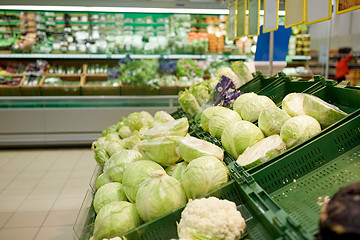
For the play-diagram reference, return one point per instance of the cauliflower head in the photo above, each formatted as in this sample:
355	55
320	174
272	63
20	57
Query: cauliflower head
211	217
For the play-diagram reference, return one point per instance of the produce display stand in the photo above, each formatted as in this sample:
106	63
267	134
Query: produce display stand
14	90
282	198
73	90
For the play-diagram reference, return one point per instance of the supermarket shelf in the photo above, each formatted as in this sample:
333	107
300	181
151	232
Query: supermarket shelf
118	56
300	57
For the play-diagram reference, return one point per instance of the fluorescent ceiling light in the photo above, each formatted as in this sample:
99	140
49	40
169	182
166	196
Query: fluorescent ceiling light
114	9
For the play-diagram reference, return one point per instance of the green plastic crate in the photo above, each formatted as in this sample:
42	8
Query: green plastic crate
262	220
299	181
289	85
260	82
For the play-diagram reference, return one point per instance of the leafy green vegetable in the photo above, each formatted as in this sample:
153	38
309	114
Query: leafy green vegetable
250	105
125	132
262	151
206	116
102	180
190	148
160	150
203	175
227	72
138	120
293	104
188	102
220	120
135	173
108	193
159	195
325	113
242	71
298	129
240	135
178	127
115	219
116	165
271	119
101	155
176	170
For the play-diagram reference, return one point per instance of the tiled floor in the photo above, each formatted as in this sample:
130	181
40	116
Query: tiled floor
41	191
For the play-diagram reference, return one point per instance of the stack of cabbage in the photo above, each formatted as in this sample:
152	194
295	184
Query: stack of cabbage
193	98
150	168
302	117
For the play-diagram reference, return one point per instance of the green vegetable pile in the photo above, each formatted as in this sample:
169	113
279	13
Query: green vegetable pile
302	116
151	167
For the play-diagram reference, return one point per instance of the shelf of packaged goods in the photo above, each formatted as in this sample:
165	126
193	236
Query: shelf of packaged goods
299	58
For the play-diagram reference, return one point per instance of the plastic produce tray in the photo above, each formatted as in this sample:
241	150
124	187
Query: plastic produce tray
299	182
262	220
260	82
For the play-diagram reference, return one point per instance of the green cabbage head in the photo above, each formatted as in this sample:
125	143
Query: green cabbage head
250	105
326	114
220	120
159	195
206	116
161	150
101	155
176	170
262	151
190	148
135	174
178	127
138	120
108	193
116	165
240	135
188	102
203	175
114	147
293	104
161	117
271	120
125	132
299	129
102	180
115	219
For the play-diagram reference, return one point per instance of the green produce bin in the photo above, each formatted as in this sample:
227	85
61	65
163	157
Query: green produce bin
260	82
299	181
262	220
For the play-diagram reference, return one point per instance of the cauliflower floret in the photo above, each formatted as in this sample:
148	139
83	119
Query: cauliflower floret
211	217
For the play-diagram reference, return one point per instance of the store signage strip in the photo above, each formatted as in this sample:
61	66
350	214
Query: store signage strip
294	12
254	18
318	11
271	15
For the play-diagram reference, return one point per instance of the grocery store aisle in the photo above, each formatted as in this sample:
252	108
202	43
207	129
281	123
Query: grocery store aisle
41	191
